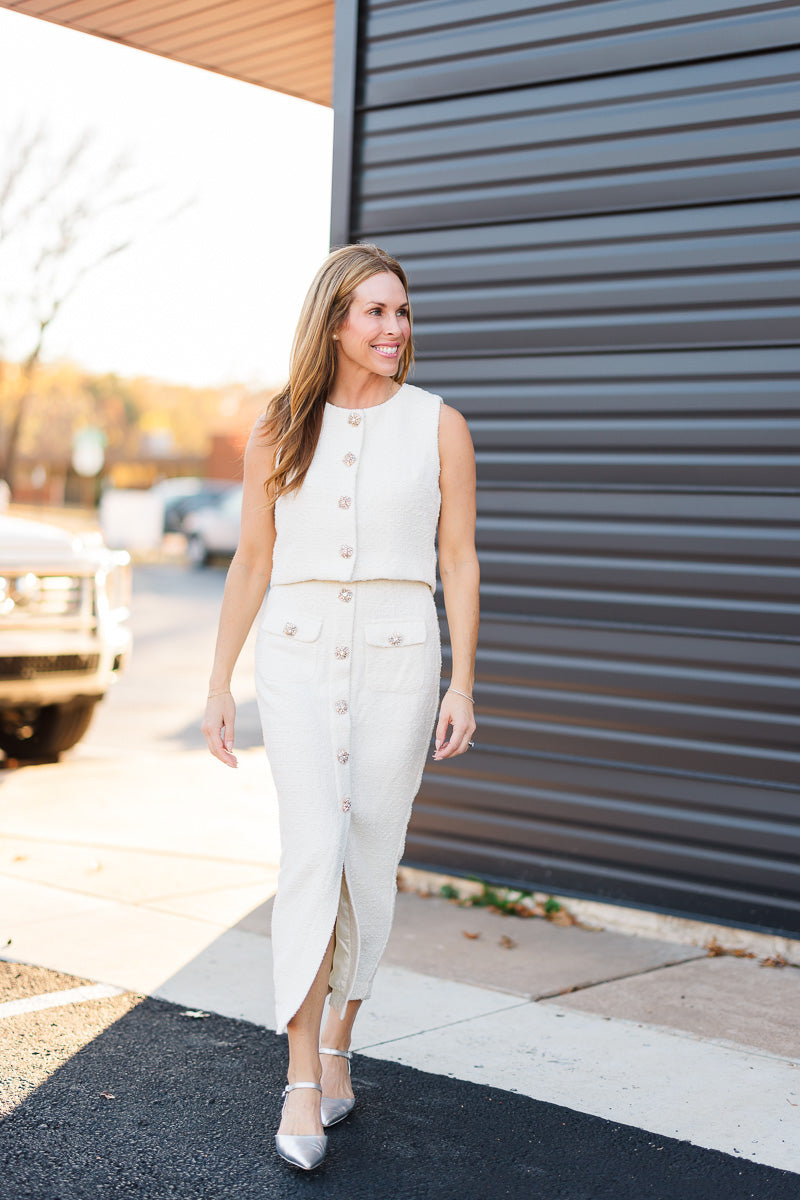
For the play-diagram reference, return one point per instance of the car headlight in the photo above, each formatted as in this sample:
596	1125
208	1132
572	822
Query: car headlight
26	589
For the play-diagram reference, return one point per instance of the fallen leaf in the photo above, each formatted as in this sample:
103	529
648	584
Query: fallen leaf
776	960
507	943
715	950
562	917
467	934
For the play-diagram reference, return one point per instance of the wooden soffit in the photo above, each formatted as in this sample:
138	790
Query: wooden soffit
284	45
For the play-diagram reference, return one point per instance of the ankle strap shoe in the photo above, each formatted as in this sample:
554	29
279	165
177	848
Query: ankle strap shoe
332	1109
305	1150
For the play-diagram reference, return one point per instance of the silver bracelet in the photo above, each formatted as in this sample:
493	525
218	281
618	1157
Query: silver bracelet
458	693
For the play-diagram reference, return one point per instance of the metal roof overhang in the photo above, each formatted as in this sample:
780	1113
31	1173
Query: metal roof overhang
284	45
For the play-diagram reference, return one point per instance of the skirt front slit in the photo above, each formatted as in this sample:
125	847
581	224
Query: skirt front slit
347	681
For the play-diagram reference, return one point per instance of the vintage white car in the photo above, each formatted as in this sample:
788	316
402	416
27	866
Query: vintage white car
64	639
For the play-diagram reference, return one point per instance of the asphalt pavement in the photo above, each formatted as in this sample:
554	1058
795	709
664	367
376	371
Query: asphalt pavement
127	1096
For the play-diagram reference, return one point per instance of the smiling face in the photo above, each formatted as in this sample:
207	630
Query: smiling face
377	327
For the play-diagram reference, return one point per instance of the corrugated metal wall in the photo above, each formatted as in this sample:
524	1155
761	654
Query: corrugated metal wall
597	206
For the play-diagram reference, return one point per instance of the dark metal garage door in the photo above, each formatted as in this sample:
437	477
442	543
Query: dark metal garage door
597	206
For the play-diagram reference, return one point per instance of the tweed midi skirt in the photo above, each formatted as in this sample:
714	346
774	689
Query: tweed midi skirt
347	683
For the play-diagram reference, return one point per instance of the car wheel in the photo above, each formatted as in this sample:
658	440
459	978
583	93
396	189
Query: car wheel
49	730
197	550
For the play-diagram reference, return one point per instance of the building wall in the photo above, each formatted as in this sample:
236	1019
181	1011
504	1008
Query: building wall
597	205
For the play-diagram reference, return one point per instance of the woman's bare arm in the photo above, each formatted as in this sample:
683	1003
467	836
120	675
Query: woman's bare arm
460	574
245	586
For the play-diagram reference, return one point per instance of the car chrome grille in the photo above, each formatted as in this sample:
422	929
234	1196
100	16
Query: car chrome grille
31	666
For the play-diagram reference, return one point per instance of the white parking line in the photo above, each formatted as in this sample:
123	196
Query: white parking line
89	991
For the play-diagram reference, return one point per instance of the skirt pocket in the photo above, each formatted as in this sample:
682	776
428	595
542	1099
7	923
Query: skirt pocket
288	646
395	654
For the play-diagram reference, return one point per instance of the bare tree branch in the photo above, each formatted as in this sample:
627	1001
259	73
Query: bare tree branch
54	205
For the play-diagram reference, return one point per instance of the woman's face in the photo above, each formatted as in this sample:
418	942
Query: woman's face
376	328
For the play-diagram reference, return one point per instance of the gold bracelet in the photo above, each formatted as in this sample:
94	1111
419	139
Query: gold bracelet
458	693
219	692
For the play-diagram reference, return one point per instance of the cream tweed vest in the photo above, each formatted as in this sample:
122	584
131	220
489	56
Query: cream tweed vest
369	506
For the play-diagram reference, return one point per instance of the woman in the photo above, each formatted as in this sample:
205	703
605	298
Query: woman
348	477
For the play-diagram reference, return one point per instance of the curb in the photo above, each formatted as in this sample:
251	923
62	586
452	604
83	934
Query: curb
620	918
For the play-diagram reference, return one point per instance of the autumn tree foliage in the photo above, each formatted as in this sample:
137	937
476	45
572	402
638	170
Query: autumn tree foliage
130	411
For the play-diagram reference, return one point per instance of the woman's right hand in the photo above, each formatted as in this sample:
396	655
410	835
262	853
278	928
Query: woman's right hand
218	724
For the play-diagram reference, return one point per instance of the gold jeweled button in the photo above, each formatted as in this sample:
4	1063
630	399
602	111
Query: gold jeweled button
342	756
346	551
345	594
345	501
342	651
349	459
346	804
395	639
290	629
354	419
341	707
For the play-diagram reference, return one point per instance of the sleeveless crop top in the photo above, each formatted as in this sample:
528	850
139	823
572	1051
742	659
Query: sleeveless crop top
369	506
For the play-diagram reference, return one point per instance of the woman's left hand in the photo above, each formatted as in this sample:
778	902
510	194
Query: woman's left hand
457	711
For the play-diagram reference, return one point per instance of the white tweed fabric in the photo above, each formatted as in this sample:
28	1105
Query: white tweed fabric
392	482
348	663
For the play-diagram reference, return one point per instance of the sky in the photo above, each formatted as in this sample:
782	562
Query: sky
212	295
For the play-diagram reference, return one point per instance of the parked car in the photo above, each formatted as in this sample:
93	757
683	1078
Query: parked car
209	495
64	638
170	492
214	532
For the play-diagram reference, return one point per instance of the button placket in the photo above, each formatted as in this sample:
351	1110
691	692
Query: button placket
343	625
344	494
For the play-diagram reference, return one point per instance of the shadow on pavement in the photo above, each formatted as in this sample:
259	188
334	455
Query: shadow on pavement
192	1105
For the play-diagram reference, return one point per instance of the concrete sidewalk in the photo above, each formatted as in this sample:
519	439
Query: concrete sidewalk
644	1030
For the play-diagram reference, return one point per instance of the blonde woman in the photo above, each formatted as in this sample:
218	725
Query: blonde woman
349	476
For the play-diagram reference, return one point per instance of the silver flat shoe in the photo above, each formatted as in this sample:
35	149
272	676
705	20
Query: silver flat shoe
306	1150
331	1109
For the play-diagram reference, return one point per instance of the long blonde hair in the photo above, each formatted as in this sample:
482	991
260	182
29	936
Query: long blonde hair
293	417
